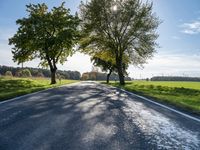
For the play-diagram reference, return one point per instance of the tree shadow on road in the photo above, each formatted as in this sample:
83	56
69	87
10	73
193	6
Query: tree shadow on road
79	117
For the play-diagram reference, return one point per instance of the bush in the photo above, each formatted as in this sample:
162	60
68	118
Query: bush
35	72
18	73
151	86
23	73
26	73
8	73
40	74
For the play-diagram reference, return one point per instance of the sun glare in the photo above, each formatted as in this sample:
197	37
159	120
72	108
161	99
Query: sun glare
115	8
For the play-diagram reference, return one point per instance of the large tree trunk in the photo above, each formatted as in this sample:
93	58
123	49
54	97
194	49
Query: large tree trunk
121	75
53	69
53	76
52	66
120	69
108	76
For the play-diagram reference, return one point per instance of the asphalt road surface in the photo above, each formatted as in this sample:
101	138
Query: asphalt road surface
91	116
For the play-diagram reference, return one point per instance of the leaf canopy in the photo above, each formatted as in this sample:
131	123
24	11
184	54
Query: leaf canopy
125	27
47	35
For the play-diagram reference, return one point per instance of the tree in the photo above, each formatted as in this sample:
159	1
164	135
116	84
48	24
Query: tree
26	73
85	76
23	73
105	66
8	73
106	61
124	27
47	35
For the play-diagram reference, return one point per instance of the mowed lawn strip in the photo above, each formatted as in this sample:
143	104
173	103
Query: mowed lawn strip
11	87
185	95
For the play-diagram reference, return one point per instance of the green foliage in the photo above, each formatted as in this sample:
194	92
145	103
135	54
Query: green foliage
104	60
26	73
99	76
170	84
175	78
10	88
47	35
126	28
185	95
39	72
8	73
23	73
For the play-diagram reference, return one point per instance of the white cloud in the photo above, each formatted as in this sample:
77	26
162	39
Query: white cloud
79	62
169	65
191	28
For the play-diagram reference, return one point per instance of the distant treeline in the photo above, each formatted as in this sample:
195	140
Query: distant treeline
38	72
101	76
175	78
73	75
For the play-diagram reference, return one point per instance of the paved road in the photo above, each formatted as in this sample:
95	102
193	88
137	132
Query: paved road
90	116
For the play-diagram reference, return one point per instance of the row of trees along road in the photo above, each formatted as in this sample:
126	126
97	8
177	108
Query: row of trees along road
115	33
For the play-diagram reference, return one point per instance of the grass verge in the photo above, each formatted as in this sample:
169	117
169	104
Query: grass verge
11	87
184	95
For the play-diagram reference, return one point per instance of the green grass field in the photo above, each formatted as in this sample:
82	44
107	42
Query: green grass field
11	87
185	95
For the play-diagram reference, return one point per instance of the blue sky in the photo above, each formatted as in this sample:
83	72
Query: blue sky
176	35
179	52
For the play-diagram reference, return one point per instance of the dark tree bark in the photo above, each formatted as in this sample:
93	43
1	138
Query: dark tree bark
108	76
120	70
53	69
53	76
121	75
